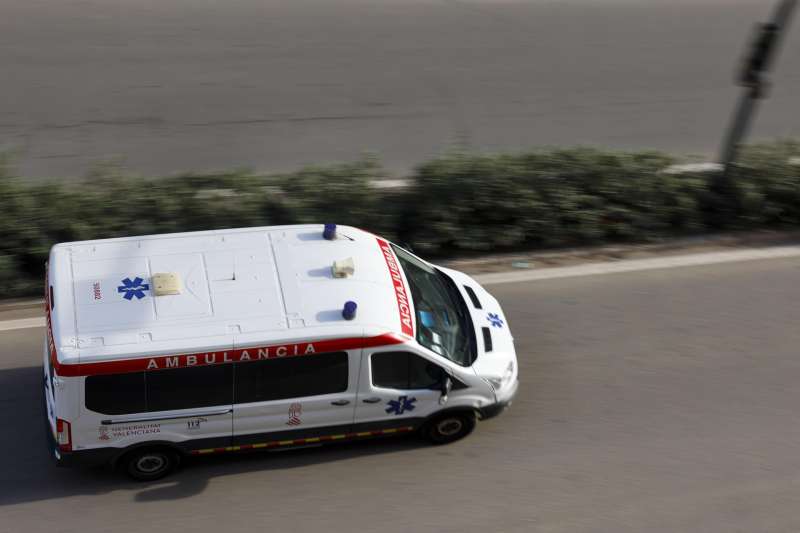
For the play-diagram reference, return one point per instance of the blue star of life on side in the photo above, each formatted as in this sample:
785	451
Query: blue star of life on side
133	288
400	405
495	320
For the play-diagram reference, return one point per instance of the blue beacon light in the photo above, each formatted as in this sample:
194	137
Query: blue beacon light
329	233
349	311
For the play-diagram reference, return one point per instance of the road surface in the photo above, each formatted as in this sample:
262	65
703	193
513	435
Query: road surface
655	401
165	86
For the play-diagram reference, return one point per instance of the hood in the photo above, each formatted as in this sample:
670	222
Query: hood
488	319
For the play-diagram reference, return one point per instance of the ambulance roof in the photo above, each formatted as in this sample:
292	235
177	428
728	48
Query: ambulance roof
240	288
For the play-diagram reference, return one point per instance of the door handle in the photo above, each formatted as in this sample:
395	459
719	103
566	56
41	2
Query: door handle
371	400
340	402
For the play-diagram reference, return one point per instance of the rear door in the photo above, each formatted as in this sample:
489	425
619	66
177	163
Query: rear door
398	389
49	389
295	397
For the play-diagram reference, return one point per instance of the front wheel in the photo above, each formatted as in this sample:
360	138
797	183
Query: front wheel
150	464
449	428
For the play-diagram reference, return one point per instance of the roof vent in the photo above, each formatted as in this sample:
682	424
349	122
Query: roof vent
349	311
473	297
487	339
329	233
166	284
344	268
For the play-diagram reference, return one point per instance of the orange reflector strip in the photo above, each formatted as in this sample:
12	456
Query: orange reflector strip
296	442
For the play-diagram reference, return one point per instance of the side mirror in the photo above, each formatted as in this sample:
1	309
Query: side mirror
447	386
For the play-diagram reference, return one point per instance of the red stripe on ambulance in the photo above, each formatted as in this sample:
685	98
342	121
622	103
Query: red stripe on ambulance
403	305
257	353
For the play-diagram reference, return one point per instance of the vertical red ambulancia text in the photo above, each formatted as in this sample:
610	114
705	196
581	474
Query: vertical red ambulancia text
403	303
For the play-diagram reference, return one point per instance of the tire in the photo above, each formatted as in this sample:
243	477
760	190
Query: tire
150	464
448	428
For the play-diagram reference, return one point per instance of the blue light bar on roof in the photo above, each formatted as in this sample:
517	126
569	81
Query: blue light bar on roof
349	311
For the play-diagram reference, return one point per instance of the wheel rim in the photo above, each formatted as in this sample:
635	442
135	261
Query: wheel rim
150	464
449	427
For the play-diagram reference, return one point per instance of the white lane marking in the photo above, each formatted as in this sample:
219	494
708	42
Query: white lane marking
22	323
636	265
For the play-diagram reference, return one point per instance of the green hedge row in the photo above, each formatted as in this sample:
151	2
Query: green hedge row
459	203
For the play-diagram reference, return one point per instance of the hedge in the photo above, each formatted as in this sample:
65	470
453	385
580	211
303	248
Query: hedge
456	204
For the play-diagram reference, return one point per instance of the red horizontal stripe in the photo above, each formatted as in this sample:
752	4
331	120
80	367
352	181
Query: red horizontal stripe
277	351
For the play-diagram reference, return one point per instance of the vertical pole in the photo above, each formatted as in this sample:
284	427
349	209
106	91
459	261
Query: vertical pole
757	64
748	102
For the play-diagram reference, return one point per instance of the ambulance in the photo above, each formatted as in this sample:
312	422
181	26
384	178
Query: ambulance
167	346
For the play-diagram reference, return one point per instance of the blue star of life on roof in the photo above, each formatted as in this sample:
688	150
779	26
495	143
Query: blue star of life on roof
134	288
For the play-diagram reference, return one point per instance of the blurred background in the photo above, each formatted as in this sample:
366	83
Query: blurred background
650	401
128	117
196	85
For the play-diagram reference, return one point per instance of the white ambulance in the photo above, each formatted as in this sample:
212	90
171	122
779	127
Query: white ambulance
165	346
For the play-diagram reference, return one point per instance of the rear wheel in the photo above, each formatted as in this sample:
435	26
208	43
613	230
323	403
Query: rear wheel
449	428
150	464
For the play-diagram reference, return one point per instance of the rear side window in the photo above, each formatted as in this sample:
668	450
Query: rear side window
404	370
160	390
116	394
293	377
206	386
184	388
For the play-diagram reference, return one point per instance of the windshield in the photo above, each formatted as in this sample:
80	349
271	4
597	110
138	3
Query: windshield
443	323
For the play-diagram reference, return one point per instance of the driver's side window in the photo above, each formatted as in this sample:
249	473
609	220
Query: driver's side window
405	371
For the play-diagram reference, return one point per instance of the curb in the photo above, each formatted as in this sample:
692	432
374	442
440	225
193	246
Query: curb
20	305
537	260
517	262
642	265
590	268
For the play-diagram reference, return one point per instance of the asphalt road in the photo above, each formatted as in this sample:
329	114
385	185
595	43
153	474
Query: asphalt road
163	86
652	401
